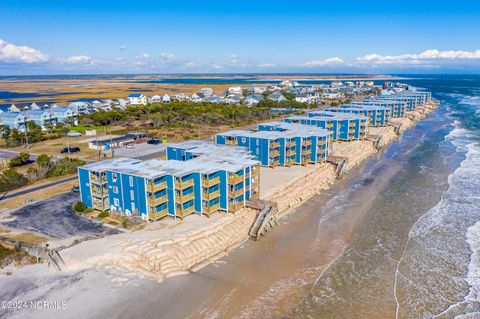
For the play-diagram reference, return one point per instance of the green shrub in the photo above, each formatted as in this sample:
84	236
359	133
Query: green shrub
102	215
80	207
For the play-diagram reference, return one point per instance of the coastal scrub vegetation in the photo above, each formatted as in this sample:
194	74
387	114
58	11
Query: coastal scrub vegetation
180	114
45	167
33	134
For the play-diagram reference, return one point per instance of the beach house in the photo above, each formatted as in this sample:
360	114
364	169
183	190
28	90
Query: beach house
14	120
276	96
62	114
137	99
253	99
40	117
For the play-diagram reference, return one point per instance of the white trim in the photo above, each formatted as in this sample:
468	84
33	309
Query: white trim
145	198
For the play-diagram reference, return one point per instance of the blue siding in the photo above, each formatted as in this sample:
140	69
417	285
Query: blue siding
84	185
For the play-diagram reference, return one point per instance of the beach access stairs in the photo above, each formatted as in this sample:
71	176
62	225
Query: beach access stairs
375	139
266	217
340	163
51	256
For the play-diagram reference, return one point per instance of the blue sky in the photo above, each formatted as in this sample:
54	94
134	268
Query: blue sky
57	37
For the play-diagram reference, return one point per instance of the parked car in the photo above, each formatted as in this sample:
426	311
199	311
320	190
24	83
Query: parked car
154	141
76	189
70	150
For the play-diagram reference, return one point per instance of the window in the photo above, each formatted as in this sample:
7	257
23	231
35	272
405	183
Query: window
115	189
131	181
132	194
115	202
114	177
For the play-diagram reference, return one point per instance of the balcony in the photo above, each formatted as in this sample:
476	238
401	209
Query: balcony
99	192
157	187
231	142
235	194
154	215
274	144
211	195
210	182
152	201
98	180
207	210
183	185
100	205
307	143
235	179
185	198
274	153
182	212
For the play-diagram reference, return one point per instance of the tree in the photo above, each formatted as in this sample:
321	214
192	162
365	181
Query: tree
43	160
11	179
34	132
5	132
24	156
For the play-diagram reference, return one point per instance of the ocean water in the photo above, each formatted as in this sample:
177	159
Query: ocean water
416	252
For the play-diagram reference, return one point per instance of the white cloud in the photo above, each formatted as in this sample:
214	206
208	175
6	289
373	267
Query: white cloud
77	59
167	57
216	66
12	53
327	62
122	48
233	59
142	59
425	57
190	65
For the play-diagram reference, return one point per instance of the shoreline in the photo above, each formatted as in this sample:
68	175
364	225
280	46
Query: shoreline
171	248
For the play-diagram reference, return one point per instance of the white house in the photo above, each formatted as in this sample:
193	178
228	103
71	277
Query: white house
197	97
137	99
166	98
235	90
181	97
156	99
276	96
302	98
207	91
253	99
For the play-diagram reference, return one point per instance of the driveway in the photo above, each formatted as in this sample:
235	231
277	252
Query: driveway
54	217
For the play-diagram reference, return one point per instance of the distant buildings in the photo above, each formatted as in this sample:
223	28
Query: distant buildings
276	96
206	91
137	99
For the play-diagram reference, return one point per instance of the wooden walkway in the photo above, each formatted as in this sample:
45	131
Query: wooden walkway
340	163
266	217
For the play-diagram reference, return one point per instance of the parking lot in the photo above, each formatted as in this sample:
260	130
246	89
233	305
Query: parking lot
54	217
142	151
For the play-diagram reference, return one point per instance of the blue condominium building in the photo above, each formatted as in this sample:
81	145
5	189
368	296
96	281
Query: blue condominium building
280	144
377	115
155	189
397	108
345	126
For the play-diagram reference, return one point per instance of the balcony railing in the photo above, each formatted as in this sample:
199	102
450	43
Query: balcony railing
211	195
274	144
236	193
185	184
154	215
207	210
155	201
231	142
235	179
274	153
210	182
98	180
182	212
157	187
185	198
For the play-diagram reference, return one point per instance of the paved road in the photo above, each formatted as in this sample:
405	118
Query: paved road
11	154
54	217
14	193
